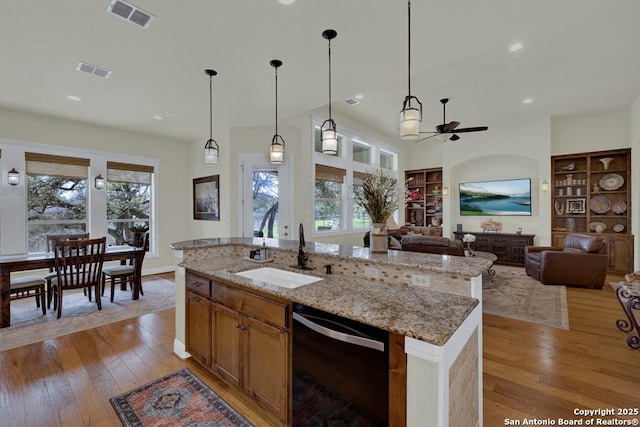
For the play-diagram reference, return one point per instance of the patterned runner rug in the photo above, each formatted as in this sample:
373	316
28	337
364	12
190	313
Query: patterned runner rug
178	399
511	293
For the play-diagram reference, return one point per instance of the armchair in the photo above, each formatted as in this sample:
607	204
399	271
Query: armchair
583	261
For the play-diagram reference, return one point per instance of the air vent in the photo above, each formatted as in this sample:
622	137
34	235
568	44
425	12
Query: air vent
352	101
92	69
130	13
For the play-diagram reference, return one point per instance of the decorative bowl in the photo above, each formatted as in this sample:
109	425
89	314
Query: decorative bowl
597	226
619	207
618	228
600	204
611	181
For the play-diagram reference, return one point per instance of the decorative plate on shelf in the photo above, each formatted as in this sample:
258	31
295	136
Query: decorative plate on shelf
618	228
600	204
597	226
611	181
619	207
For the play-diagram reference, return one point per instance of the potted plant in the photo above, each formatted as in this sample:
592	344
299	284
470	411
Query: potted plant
139	231
379	196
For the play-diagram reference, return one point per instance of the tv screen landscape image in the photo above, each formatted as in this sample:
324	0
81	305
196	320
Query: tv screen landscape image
489	198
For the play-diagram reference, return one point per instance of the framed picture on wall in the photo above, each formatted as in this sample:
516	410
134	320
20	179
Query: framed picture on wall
206	198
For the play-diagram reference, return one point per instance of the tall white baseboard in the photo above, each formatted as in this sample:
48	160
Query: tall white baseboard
180	350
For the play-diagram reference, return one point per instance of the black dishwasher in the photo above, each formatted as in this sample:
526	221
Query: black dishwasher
340	370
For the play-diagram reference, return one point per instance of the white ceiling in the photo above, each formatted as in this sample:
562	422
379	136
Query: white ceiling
578	55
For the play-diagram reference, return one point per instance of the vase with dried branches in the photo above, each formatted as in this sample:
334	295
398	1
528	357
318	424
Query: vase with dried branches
379	195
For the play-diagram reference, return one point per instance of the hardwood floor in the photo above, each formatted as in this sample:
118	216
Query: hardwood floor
530	371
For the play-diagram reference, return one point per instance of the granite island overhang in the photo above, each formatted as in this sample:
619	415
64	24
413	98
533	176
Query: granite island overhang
440	318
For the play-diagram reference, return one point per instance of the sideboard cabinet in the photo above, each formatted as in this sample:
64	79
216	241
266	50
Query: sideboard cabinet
509	248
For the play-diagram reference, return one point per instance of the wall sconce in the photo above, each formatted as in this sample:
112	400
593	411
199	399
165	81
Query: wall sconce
100	182
445	191
544	186
13	177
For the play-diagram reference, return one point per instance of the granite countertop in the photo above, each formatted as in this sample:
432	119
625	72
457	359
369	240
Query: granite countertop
415	312
465	266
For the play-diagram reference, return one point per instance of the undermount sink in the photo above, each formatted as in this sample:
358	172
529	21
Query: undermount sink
283	278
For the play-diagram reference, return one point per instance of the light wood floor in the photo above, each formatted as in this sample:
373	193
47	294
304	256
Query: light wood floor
529	370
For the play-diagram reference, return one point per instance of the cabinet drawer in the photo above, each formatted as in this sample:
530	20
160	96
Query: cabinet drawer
251	305
199	284
500	240
521	241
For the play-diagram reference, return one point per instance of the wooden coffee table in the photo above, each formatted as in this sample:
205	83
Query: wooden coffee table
487	255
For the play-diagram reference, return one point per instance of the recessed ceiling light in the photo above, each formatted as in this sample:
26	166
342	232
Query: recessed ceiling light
287	1
527	101
74	98
515	47
157	117
359	96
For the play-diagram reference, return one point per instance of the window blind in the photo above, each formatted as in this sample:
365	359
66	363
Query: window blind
59	166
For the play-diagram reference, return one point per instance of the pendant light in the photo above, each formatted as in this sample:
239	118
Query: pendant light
411	114
211	148
276	149
328	128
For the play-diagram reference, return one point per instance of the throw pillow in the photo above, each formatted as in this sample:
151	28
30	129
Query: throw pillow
394	243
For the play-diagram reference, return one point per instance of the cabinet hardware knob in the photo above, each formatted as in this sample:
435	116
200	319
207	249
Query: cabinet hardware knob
243	327
238	325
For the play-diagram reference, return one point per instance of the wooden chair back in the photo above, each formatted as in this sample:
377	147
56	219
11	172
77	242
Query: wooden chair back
79	263
52	238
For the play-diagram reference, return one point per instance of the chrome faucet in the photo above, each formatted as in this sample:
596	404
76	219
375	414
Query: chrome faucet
302	256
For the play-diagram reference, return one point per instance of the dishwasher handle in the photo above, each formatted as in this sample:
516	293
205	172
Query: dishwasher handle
340	336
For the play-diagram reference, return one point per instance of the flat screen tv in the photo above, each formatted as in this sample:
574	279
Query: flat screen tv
492	198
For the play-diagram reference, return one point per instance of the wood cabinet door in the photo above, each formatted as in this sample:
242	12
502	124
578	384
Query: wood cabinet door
198	323
266	373
227	344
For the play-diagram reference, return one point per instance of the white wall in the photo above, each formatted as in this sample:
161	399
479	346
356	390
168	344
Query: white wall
28	127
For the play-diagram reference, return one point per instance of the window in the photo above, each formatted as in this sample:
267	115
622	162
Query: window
56	197
328	196
361	152
128	201
386	160
336	176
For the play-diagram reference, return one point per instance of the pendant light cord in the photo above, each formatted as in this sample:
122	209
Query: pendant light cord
276	100
210	107
329	79
409	46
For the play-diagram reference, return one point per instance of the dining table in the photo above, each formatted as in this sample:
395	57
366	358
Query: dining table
25	262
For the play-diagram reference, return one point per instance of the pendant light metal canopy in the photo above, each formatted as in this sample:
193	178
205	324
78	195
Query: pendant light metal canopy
411	114
211	148
328	128
276	149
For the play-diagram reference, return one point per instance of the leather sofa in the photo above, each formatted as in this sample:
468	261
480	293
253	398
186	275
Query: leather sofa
405	230
583	261
433	245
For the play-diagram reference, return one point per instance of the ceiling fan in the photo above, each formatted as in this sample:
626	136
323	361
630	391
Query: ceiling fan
448	131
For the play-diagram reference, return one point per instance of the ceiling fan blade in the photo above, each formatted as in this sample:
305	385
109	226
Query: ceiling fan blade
426	137
454	137
475	129
449	127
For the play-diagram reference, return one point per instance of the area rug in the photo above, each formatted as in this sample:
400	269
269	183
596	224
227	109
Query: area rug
28	325
316	406
511	293
178	399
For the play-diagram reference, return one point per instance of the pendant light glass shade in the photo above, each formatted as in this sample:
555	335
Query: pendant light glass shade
276	149
211	148
328	128
411	113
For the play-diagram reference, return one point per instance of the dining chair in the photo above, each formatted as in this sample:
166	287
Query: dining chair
21	287
51	243
123	274
78	265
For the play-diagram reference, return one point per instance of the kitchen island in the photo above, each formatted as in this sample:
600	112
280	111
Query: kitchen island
431	302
